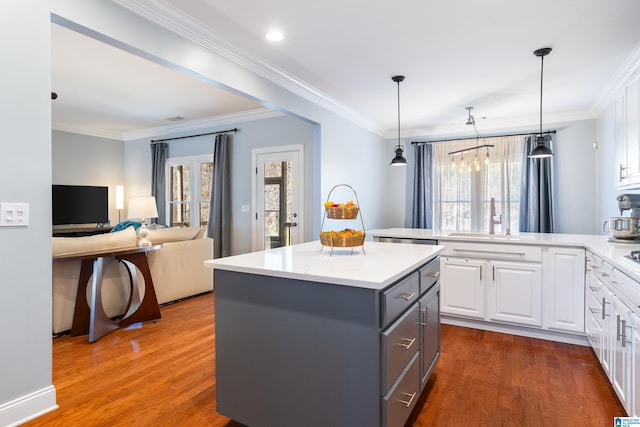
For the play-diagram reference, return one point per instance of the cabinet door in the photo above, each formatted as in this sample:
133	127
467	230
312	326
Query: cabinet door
634	410
620	142
632	131
515	293
462	287
608	328
621	363
564	285
430	332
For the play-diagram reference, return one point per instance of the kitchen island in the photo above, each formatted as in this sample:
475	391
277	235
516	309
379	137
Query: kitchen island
304	337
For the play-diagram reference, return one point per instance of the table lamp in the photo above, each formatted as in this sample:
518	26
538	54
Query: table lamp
119	199
143	208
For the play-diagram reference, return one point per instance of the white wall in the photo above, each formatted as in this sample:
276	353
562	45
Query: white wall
88	160
283	130
25	173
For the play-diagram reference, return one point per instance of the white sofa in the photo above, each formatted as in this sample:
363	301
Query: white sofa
177	269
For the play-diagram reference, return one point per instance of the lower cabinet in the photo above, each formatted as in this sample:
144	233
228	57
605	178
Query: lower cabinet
563	289
634	403
411	344
612	324
621	348
541	287
502	291
429	332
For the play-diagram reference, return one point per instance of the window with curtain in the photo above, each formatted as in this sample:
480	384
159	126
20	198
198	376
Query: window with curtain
189	190
464	184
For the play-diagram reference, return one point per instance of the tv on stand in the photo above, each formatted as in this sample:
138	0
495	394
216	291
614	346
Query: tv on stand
77	205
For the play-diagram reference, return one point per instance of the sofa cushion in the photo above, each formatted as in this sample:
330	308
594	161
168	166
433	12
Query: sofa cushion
100	242
172	234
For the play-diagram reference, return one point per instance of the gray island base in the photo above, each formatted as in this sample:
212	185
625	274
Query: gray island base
292	352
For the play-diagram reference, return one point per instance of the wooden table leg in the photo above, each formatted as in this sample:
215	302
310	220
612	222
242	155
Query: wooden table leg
147	309
80	325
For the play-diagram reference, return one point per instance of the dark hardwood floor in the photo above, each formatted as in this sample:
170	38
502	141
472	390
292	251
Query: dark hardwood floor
163	374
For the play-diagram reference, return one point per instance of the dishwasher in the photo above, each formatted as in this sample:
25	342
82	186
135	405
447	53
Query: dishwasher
406	240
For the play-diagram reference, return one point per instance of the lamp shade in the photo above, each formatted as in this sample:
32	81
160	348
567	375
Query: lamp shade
119	197
541	150
142	208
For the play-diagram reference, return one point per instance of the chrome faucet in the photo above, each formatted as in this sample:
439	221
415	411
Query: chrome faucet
492	215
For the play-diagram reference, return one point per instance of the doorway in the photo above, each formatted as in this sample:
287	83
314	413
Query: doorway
277	196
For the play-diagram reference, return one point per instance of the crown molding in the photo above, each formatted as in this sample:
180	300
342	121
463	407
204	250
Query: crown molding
167	16
187	126
626	74
199	125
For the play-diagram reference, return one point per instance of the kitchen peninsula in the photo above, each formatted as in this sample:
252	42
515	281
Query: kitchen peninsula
305	337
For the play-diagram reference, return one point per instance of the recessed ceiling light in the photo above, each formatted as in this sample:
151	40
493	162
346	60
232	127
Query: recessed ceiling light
274	36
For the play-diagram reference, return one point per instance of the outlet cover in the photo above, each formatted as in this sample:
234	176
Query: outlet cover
14	214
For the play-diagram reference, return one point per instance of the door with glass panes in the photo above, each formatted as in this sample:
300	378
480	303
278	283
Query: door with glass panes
277	197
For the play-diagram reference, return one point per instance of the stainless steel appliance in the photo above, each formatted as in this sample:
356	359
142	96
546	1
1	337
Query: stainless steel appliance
626	227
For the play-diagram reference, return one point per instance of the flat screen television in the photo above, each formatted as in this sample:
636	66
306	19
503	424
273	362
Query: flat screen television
80	204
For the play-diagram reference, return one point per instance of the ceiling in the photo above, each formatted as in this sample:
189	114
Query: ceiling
454	54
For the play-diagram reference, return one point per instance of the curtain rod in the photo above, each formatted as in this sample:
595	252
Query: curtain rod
234	130
484	136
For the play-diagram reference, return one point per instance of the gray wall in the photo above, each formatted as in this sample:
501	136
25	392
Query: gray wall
25	173
278	131
88	160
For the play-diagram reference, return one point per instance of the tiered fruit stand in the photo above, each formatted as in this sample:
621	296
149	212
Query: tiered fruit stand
347	238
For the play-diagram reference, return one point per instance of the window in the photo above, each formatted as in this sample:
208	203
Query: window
462	191
189	190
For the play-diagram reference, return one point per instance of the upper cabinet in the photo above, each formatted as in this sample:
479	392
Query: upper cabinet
627	137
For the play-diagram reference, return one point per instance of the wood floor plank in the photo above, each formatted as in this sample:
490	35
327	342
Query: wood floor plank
163	374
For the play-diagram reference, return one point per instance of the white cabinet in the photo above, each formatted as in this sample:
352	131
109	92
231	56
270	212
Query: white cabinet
621	350
564	278
476	287
634	402
514	293
627	136
464	292
608	331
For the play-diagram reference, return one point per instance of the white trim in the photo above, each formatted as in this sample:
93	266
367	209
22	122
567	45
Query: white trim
28	407
169	17
299	148
194	164
522	331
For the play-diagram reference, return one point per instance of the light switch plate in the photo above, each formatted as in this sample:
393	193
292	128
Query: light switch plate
14	214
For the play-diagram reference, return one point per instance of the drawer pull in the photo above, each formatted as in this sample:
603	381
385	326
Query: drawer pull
595	288
594	310
407	296
433	274
490	252
411	396
410	342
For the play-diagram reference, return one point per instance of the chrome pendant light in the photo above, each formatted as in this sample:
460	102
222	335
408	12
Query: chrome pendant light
541	149
399	159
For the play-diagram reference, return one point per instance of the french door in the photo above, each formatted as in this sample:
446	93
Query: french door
277	196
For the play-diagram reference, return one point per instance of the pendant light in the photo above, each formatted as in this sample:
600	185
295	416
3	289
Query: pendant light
541	149
399	159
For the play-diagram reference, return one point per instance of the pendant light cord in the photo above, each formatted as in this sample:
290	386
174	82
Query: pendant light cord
541	74
398	81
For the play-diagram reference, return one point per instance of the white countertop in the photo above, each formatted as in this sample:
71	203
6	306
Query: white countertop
380	266
598	244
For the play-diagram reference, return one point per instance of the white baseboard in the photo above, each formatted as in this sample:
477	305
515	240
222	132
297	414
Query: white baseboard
28	407
544	334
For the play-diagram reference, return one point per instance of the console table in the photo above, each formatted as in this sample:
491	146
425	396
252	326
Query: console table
91	319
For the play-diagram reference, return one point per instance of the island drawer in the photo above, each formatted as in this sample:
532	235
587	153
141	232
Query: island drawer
400	297
399	343
401	399
429	274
